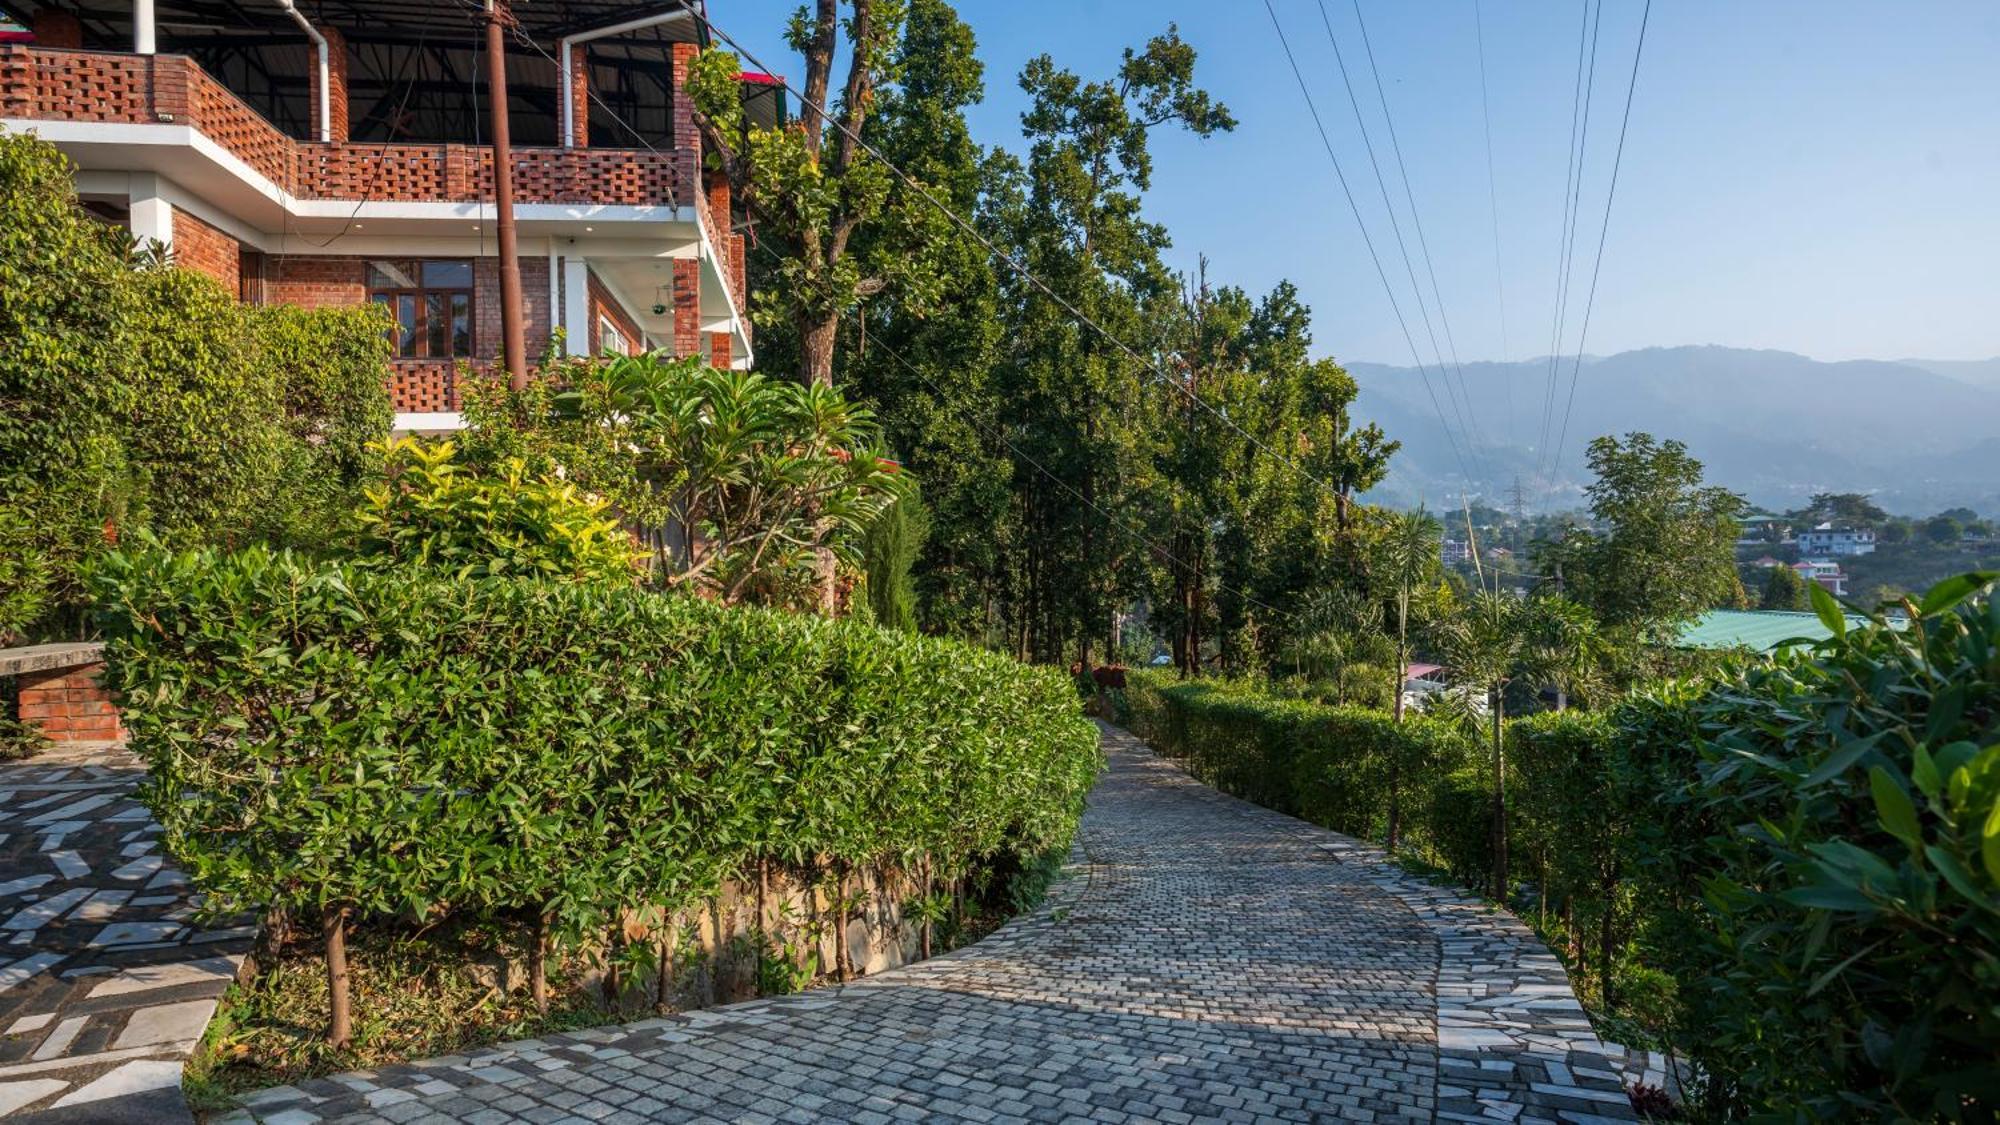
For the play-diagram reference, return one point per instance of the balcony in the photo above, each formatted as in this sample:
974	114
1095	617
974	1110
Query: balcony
111	88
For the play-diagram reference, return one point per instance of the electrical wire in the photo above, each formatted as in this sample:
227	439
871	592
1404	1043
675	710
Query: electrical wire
1474	436
1493	204
1389	290
1581	97
1396	227
1632	84
1013	264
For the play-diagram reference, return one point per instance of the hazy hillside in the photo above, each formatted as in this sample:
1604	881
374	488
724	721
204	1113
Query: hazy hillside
1774	425
1978	372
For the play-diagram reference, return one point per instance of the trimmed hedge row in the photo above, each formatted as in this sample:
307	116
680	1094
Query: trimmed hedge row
325	737
1789	875
1350	769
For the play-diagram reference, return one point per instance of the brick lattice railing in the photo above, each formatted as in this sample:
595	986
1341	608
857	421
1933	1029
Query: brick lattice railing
52	85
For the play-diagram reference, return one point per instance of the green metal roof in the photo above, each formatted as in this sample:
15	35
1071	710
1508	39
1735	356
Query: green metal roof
1756	630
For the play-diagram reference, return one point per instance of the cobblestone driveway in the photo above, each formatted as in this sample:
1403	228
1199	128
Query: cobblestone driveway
106	979
1205	960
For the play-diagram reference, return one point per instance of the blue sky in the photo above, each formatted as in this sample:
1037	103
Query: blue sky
1820	177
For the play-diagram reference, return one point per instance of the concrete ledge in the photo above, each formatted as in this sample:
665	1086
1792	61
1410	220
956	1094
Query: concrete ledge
50	658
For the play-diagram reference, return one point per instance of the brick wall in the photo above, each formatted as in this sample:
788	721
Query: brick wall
316	282
602	303
70	704
199	246
420	385
579	93
687	306
336	84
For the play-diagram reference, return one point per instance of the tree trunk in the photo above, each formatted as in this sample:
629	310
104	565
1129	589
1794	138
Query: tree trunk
816	339
924	946
340	1030
1402	657
840	917
538	965
665	983
1604	927
1499	800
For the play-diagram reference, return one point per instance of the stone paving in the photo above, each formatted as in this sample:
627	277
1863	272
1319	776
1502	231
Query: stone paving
1202	960
106	980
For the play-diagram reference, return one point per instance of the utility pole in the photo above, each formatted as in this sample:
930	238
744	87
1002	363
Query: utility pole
512	337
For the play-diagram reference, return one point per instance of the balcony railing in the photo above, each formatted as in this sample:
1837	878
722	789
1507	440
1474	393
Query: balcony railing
56	85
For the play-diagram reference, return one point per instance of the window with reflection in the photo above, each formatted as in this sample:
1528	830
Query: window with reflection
430	300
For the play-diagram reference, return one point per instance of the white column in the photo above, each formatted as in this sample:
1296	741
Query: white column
152	216
580	332
142	27
555	287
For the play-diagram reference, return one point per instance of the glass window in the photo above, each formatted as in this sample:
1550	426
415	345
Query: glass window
431	302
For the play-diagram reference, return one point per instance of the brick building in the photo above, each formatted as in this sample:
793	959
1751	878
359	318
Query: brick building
328	152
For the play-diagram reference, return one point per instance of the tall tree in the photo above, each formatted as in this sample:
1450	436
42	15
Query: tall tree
1663	550
811	187
1077	400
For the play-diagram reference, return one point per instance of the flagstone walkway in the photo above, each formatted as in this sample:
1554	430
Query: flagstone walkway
1204	960
106	981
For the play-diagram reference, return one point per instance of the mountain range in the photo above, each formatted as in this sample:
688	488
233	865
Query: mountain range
1917	435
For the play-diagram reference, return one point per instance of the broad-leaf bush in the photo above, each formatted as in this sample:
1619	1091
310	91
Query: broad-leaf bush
403	743
1846	802
427	510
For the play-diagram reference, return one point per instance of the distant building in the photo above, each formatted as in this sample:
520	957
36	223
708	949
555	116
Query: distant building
1454	551
1767	563
1826	572
1837	542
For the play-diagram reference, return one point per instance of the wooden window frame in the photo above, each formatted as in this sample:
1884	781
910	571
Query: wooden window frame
420	296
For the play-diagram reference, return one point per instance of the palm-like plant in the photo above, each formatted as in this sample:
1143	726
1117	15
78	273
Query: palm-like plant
1564	647
1407	554
1485	645
753	481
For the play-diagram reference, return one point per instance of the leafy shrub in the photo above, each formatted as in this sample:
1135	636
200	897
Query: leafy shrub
400	743
742	486
429	511
1851	871
134	395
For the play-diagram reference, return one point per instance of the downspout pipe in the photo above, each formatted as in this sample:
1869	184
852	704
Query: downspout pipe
657	19
325	68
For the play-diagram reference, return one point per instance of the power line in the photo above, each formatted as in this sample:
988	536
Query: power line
995	433
1389	290
1581	98
1396	227
1493	203
1474	435
1008	260
1638	52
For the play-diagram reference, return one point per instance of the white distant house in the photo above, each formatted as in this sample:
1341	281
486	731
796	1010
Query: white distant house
1836	542
1826	572
1454	551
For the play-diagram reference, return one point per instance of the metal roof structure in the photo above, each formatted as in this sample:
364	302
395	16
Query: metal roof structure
1765	630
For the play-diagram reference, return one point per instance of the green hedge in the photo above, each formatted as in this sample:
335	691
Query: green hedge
397	743
1347	768
1789	874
